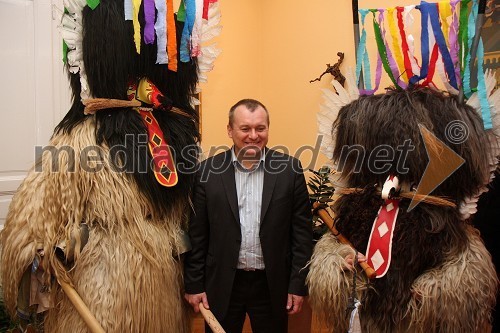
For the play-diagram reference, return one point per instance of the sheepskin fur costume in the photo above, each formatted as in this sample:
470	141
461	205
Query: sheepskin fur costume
97	172
126	273
441	277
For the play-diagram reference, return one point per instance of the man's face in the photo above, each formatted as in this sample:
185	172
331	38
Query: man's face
249	131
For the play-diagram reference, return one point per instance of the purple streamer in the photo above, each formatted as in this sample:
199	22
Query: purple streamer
453	40
378	76
149	18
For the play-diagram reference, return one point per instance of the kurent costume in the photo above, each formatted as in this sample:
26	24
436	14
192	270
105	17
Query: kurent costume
104	206
441	277
412	163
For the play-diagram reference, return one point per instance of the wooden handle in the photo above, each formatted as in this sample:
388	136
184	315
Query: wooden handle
82	309
211	320
323	214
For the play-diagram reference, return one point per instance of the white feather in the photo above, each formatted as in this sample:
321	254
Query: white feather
209	52
202	78
490	81
342	93
214	11
333	101
210	33
350	82
494	100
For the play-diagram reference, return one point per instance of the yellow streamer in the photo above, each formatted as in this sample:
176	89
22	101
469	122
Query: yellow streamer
396	45
137	27
444	13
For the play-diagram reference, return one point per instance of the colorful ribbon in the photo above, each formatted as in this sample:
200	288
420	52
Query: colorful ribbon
206	4
392	62
441	42
136	4
395	39
365	61
171	37
444	9
362	54
424	43
197	29
453	40
129	10
409	20
149	21
185	49
481	84
404	44
93	3
161	32
381	46
462	35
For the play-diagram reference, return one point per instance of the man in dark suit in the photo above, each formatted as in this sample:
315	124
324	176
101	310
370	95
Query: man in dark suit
250	230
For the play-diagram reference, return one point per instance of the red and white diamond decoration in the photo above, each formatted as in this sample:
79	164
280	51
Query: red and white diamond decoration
379	250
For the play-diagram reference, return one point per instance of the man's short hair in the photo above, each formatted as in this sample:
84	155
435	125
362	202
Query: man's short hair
250	104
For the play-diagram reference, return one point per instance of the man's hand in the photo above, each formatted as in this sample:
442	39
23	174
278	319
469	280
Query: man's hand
195	299
349	259
294	304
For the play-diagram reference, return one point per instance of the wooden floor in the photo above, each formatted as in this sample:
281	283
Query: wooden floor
304	322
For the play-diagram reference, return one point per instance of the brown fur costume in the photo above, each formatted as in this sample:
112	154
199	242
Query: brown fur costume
441	277
129	273
126	273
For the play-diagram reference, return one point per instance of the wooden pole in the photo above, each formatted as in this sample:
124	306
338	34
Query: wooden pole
323	214
82	309
355	24
211	320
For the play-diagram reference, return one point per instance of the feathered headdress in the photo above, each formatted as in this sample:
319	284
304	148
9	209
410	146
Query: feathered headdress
154	23
448	33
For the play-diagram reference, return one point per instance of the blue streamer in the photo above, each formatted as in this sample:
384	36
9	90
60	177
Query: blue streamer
424	41
185	54
362	55
445	53
481	88
481	84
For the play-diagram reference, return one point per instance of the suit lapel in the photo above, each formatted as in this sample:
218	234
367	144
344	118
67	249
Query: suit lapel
230	185
269	182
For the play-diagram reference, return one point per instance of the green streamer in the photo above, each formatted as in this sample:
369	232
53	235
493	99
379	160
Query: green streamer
463	35
382	50
93	3
181	13
65	52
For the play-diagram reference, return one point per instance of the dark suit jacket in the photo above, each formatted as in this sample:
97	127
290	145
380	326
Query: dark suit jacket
214	230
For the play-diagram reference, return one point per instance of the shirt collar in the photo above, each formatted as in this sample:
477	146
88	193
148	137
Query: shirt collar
236	162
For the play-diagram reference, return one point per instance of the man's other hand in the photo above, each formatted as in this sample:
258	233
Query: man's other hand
195	299
294	304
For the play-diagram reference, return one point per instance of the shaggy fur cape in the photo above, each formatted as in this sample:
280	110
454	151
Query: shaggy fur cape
129	273
441	277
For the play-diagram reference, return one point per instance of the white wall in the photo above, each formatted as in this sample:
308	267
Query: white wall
34	93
